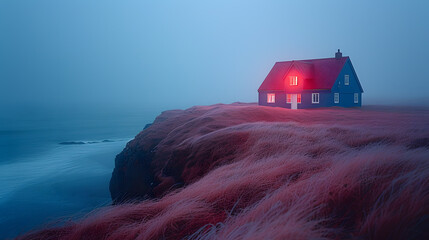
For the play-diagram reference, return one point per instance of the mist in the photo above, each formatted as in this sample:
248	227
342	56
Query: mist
82	79
157	55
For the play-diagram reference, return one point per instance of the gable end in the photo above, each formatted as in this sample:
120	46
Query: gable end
355	75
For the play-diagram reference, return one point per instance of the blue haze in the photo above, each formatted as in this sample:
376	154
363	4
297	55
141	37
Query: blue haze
175	54
87	70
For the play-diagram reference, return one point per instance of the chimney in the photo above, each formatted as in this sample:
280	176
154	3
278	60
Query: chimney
338	55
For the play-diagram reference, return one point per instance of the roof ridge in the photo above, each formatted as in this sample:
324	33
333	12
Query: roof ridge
310	59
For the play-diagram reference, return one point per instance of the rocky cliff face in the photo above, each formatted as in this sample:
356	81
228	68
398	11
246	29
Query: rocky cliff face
171	152
183	145
252	172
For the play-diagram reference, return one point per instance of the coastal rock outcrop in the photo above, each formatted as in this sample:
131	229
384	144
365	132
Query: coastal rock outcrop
242	171
183	145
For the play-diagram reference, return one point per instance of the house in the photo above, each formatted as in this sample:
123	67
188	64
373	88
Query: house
311	84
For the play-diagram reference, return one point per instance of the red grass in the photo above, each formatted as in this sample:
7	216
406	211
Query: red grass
269	173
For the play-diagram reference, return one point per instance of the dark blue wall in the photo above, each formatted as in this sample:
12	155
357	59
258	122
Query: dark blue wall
347	91
280	99
326	97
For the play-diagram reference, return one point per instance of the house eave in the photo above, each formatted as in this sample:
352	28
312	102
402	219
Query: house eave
302	90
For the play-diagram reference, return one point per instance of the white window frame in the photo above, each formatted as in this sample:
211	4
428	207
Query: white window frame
336	97
273	98
356	98
314	96
346	80
294	80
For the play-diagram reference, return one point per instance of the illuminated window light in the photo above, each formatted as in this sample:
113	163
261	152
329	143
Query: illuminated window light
271	97
293	80
289	98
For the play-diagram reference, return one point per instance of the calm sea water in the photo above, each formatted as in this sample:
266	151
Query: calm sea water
58	165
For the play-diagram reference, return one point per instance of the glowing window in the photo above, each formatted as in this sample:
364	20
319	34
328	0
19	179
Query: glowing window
289	98
336	97
271	98
293	80
314	98
346	80
356	98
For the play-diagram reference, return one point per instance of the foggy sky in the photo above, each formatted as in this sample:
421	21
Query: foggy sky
175	54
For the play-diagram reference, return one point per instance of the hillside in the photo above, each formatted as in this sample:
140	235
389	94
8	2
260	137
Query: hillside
245	171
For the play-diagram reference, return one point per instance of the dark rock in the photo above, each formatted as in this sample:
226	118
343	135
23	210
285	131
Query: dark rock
418	143
72	143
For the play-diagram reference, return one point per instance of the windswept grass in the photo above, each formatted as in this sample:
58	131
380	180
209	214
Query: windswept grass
241	171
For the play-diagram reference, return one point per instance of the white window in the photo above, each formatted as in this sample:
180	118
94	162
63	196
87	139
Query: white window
271	98
336	97
356	98
314	98
293	80
346	80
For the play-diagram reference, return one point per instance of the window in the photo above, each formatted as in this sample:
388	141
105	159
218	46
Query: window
271	98
289	98
293	80
314	98
356	98
346	80
336	98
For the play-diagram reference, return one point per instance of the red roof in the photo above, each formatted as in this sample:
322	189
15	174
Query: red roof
314	74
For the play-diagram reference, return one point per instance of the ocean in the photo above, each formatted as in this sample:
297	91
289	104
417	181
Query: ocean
57	165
